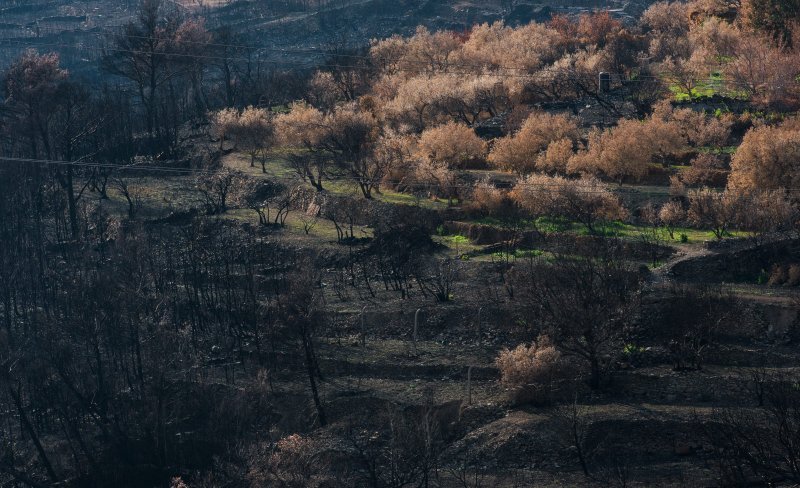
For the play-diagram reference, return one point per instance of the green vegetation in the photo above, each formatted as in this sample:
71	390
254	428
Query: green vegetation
713	85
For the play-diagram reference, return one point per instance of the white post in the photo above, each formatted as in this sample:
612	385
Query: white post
363	327
469	385
480	310
416	324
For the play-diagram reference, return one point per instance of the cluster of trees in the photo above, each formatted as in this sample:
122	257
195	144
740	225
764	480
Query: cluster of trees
48	116
162	70
585	305
252	131
402	116
120	341
119	346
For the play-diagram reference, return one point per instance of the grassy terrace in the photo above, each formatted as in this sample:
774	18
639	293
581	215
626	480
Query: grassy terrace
613	229
163	195
713	85
159	196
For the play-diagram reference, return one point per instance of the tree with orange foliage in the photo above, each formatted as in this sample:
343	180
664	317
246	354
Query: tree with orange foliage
441	150
530	370
222	122
776	18
302	128
598	28
452	144
671	215
489	200
765	72
424	52
520	152
438	177
627	150
768	211
697	128
497	46
556	157
253	132
586	200
768	158
32	84
667	27
718	211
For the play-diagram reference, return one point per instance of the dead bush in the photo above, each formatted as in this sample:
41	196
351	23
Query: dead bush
530	371
777	276
293	462
488	200
671	215
793	276
786	274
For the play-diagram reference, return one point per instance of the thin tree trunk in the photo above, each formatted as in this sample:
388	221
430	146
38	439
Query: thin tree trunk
310	367
26	424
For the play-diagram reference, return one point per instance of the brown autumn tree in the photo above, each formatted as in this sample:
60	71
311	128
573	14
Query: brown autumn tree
424	52
222	122
349	136
556	157
766	73
417	102
627	150
343	141
438	178
452	144
32	85
667	25
715	210
586	200
598	28
489	200
253	132
671	215
520	151
706	169
696	128
767	211
527	47
301	129
768	158
714	42
530	371
776	18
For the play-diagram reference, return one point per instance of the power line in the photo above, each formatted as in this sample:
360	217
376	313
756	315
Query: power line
568	74
547	187
198	171
321	52
446	70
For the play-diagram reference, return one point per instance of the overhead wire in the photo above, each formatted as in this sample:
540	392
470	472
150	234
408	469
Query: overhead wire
287	63
488	69
339	178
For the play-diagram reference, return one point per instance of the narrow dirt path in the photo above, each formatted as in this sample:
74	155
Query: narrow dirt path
663	276
685	253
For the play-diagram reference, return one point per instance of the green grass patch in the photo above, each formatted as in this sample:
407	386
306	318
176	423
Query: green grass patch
399	198
718	149
713	85
519	254
276	164
457	243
